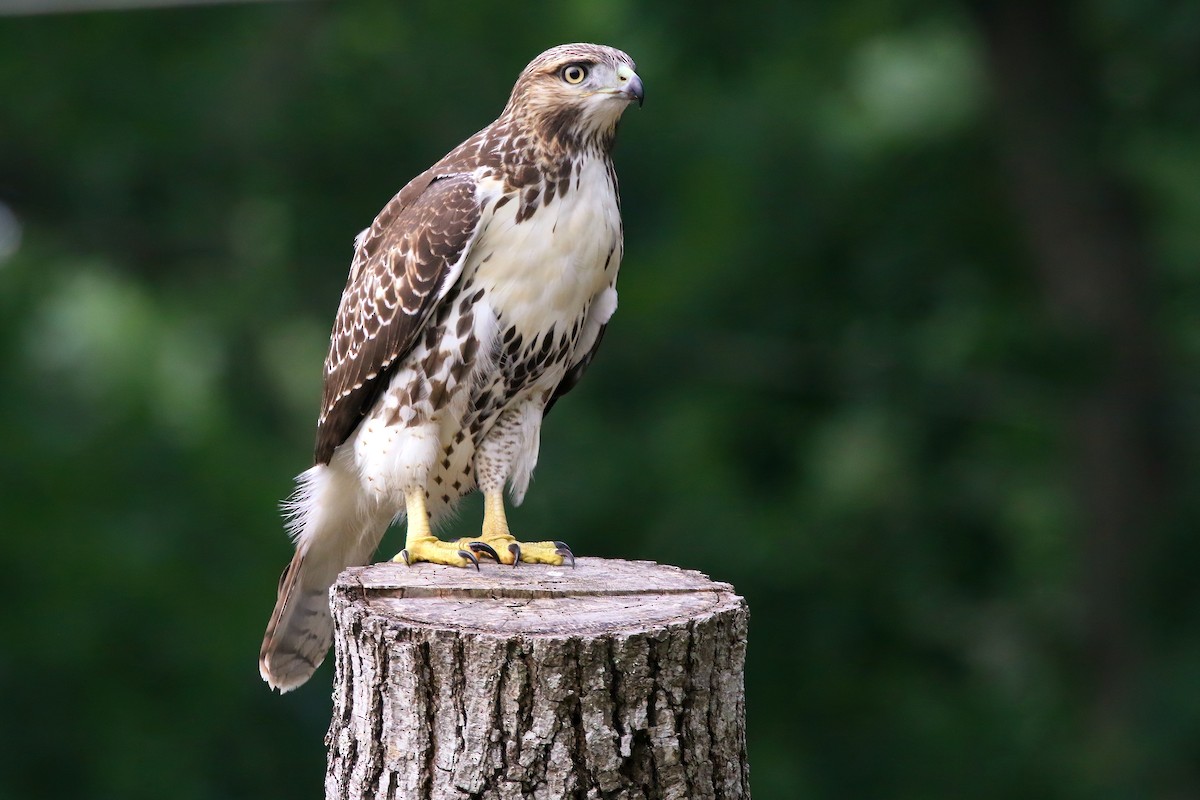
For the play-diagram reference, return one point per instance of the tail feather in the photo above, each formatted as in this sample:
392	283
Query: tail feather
299	633
332	532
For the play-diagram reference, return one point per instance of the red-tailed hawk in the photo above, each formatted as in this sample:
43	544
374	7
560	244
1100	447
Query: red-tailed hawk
475	300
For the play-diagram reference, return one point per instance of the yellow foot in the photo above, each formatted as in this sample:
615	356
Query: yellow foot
453	554
507	550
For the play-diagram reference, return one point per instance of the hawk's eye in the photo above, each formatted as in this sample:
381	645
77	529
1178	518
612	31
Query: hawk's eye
574	73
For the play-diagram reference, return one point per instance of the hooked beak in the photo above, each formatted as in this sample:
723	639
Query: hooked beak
630	85
633	88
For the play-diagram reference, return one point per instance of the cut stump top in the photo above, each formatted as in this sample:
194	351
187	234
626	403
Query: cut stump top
596	597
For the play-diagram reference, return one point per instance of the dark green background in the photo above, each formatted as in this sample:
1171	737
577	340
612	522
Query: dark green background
907	351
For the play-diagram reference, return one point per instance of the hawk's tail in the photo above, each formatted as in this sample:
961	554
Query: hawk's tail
331	533
300	630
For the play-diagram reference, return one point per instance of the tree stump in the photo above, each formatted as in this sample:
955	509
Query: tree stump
615	679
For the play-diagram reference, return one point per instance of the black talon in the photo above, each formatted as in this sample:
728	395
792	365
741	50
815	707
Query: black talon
404	555
467	554
486	549
515	549
560	548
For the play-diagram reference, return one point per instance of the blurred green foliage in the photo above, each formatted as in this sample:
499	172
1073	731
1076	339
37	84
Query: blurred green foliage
835	379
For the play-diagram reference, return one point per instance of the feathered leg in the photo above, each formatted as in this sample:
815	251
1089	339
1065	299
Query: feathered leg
508	454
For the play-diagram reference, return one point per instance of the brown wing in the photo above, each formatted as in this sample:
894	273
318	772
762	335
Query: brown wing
575	374
403	265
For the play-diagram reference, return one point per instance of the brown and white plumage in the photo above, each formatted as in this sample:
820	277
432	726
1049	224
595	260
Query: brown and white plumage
475	300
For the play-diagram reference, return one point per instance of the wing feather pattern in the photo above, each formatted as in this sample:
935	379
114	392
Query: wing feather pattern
404	264
575	373
598	315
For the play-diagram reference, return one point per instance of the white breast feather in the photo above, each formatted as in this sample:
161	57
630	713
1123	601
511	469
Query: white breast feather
549	268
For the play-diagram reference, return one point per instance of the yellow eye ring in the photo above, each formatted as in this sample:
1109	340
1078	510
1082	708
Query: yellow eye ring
574	73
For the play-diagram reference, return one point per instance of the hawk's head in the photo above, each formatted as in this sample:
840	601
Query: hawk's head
574	94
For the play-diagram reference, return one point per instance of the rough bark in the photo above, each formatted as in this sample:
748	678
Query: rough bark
615	679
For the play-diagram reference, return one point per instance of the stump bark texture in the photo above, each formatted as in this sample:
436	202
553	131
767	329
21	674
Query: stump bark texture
615	679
